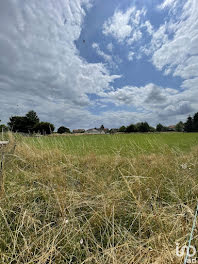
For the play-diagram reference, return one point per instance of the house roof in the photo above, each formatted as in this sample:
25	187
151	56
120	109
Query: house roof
92	130
78	130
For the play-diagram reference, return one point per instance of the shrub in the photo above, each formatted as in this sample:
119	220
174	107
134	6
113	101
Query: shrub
62	130
131	128
44	128
25	123
122	129
143	127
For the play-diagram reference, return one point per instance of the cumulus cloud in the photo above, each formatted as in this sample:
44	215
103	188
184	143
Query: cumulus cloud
148	26
101	53
110	47
125	25
178	50
167	3
41	68
181	109
173	50
159	37
40	64
142	96
131	55
188	69
162	103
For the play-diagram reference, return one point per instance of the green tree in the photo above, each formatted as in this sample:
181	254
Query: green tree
179	127
159	128
32	120
25	124
195	122
122	129
143	127
188	126
62	130
32	116
18	124
131	129
152	129
45	128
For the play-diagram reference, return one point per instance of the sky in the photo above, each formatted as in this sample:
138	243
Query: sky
83	63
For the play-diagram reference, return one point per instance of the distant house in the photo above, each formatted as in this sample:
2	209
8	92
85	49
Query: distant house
93	131
75	131
114	130
97	131
106	130
172	128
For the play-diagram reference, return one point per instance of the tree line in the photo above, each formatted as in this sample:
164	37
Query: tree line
30	123
145	127
191	125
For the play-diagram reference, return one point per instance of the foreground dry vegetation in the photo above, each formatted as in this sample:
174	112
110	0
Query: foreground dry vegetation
61	208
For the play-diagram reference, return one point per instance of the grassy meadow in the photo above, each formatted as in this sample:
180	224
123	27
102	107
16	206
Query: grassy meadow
120	199
125	145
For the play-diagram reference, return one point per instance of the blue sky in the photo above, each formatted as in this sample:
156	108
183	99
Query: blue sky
83	63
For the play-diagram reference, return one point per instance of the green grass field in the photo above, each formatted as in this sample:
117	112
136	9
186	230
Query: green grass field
118	144
105	199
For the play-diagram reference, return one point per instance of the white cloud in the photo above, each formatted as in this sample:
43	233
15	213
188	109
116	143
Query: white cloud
101	53
167	3
131	55
176	52
41	69
40	64
188	69
180	109
110	47
137	35
148	26
162	103
146	96
159	37
118	25
125	25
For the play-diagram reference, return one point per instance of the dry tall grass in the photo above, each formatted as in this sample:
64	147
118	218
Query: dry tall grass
59	208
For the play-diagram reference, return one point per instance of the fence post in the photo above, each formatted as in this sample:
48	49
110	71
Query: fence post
1	175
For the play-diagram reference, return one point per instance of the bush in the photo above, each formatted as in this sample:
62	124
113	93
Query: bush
161	128
44	128
18	124
152	129
143	127
131	128
195	123
122	129
62	130
25	123
188	126
179	127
